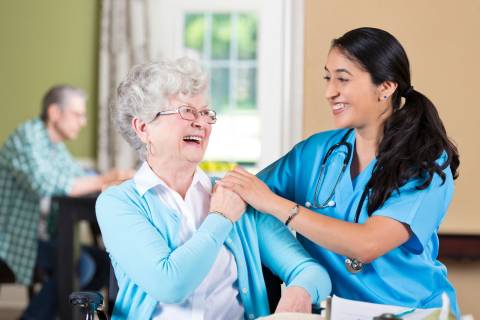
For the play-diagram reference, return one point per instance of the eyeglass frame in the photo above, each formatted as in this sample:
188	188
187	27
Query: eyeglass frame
196	113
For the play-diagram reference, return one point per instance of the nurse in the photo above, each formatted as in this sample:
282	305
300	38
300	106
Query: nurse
367	199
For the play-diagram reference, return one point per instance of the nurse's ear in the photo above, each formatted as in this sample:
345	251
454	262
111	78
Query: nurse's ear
386	89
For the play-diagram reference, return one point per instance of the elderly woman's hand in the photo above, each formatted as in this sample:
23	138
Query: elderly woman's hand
295	299
253	190
227	202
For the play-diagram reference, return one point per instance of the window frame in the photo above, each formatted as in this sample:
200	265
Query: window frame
279	58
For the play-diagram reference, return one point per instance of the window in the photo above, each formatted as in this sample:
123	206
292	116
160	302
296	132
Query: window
226	43
246	46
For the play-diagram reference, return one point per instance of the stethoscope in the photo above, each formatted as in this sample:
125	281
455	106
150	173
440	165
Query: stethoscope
352	265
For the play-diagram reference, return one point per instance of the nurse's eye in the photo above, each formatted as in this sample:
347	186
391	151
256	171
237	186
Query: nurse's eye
343	79
326	78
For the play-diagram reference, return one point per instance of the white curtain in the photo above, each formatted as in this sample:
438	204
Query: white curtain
124	42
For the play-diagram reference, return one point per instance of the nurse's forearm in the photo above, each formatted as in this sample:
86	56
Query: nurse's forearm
364	242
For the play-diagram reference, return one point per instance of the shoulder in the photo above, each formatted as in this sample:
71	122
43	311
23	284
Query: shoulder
30	129
21	141
327	137
124	193
311	148
121	201
27	134
320	141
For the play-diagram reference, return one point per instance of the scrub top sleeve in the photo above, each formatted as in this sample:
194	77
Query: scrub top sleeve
421	210
280	175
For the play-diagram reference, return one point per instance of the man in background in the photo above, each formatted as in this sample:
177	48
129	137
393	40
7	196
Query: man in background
34	166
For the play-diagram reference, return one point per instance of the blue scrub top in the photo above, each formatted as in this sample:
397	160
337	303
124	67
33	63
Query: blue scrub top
409	275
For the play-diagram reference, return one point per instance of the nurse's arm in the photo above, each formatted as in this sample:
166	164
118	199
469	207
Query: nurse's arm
365	242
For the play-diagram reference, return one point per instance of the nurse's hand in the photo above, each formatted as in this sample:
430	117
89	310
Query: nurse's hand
295	299
227	202
253	190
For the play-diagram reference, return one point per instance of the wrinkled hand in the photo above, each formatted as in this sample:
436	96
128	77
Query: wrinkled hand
253	190
295	299
227	202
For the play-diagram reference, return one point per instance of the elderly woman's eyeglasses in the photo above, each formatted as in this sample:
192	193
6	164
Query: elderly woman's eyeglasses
191	114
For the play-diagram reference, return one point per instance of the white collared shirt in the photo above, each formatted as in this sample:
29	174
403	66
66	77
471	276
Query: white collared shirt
217	296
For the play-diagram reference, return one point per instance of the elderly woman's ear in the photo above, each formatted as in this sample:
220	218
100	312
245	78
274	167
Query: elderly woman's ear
140	128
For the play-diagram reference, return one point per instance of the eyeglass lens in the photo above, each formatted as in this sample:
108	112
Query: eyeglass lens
189	113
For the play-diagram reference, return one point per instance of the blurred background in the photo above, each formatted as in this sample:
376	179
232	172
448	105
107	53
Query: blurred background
265	58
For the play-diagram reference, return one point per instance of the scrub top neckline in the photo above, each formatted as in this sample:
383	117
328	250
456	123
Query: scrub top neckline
360	179
348	192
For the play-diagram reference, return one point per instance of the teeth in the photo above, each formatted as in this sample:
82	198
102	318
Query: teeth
196	138
338	106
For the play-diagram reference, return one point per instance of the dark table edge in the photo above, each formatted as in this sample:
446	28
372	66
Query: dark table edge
457	246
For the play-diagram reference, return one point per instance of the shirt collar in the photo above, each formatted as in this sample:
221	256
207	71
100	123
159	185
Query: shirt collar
41	128
145	179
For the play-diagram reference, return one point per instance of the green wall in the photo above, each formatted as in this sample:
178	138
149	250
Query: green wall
43	43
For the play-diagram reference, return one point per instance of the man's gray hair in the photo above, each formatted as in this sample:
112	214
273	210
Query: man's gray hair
59	95
146	89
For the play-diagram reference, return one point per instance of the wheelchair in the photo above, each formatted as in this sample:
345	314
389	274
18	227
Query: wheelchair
90	303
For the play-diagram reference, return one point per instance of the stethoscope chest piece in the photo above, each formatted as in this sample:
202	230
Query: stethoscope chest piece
353	265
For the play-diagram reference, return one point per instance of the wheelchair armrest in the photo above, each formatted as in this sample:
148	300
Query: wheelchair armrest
90	302
86	298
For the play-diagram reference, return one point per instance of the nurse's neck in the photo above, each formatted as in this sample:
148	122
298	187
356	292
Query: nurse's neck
367	141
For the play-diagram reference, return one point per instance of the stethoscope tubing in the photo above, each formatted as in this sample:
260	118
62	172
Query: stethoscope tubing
327	202
352	265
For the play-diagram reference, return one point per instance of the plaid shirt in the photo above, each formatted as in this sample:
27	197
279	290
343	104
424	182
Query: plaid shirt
31	167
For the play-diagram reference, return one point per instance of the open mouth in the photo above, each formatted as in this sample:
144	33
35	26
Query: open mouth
338	107
193	139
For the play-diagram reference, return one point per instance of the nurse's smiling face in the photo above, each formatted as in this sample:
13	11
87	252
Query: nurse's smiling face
354	100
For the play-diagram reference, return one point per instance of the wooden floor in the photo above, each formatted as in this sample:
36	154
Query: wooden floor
13	300
10	313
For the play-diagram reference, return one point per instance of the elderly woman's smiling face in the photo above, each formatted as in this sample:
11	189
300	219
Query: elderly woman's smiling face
175	139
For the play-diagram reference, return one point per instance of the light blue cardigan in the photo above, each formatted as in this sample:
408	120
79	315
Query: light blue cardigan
141	236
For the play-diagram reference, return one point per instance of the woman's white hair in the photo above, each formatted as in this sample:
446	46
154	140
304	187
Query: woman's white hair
146	89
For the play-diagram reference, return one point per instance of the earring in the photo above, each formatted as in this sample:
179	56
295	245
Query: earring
385	97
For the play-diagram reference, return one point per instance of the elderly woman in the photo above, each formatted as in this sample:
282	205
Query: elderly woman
181	247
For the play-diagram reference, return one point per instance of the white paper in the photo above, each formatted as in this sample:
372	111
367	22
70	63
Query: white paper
292	316
344	309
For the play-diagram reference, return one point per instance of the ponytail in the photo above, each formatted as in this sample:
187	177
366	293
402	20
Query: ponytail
414	139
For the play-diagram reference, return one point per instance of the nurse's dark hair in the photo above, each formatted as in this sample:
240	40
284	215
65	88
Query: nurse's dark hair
414	136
